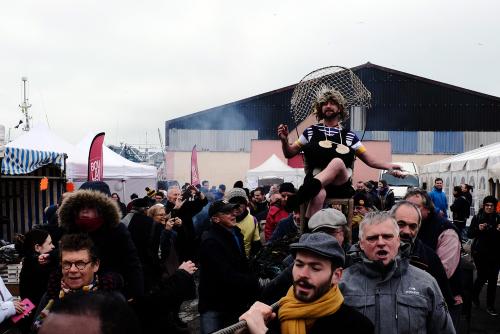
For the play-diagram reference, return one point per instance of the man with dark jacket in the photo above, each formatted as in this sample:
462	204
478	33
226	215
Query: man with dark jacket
227	286
314	303
442	237
408	217
460	209
381	284
485	229
185	206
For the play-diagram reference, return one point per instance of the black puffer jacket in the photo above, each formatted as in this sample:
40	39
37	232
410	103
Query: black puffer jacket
117	251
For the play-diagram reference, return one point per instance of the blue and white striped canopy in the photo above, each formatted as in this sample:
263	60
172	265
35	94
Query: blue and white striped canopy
18	161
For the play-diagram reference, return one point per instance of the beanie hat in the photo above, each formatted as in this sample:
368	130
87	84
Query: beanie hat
287	187
490	199
150	192
234	194
100	186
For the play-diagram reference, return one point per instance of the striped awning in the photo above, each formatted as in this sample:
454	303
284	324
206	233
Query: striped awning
18	161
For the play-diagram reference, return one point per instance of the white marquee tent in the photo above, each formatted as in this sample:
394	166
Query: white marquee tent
123	176
273	167
479	168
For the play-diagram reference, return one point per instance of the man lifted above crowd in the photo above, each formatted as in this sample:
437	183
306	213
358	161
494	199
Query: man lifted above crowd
329	150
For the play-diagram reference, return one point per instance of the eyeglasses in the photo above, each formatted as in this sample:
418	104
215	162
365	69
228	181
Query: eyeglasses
80	265
375	238
489	205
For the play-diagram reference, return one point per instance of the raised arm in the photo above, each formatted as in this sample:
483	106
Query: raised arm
289	150
371	161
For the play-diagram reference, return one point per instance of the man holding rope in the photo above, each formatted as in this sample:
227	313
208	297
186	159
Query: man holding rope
329	152
314	304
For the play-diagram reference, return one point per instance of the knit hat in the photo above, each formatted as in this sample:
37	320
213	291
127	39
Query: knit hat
321	244
100	186
150	192
287	187
235	195
326	218
490	199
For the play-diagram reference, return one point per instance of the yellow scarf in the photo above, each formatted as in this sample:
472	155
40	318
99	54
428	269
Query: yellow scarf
297	317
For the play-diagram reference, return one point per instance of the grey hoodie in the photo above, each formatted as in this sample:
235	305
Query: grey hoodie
398	298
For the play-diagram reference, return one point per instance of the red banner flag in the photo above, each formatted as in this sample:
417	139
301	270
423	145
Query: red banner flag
195	177
95	168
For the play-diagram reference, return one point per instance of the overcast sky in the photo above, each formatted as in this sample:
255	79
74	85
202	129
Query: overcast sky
125	67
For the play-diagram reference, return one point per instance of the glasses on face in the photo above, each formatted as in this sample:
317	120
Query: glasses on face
375	238
80	265
160	214
402	224
488	205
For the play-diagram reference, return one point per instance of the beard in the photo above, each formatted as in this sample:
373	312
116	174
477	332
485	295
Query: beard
317	291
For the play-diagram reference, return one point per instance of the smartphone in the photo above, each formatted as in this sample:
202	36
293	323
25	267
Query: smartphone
28	307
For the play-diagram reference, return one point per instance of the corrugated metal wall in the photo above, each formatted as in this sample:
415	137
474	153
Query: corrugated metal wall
211	140
428	142
22	203
413	112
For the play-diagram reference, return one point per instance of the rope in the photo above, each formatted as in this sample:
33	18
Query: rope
241	324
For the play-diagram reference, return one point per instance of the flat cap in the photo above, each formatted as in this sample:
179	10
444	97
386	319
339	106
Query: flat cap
322	244
326	218
220	206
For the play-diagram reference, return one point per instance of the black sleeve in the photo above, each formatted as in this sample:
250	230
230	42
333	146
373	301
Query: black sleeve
134	278
214	258
473	230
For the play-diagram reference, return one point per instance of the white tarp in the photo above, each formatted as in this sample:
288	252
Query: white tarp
122	175
273	167
475	168
40	138
478	159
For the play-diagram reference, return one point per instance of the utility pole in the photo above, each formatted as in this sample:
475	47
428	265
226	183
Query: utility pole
25	106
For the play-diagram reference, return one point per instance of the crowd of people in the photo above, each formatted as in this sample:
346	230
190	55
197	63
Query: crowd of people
98	265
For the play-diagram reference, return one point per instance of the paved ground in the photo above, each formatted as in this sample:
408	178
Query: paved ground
481	322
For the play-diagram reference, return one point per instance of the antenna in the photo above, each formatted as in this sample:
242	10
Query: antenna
25	106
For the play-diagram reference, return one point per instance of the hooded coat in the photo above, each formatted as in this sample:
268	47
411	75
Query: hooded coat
116	249
398	298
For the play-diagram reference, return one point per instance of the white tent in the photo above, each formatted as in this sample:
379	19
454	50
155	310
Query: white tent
122	175
40	138
273	167
479	168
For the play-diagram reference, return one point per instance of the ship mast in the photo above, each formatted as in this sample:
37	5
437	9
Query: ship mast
25	106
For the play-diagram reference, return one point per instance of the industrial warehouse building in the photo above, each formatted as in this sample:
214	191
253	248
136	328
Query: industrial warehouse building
424	120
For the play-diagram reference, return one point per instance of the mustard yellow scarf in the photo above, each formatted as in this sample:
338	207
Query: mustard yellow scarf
297	317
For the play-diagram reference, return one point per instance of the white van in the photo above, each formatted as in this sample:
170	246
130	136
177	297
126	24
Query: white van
400	186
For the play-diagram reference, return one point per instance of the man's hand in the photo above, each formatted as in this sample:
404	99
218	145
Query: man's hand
482	226
43	259
283	132
178	203
257	316
458	300
395	170
18	306
169	224
188	266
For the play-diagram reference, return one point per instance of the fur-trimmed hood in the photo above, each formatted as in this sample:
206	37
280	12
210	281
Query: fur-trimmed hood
74	202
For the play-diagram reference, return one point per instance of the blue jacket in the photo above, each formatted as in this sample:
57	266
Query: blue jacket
440	201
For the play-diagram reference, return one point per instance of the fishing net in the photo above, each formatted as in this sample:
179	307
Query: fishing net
340	78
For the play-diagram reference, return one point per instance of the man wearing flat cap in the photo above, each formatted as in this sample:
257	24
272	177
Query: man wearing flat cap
227	286
314	303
